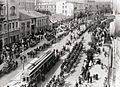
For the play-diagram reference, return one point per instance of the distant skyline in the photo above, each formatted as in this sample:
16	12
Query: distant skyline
75	0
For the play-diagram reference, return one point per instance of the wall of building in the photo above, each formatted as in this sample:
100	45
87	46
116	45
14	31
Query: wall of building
11	12
27	4
47	6
42	23
25	28
64	8
13	30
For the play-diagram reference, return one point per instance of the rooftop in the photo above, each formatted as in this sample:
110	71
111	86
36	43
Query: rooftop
29	14
58	17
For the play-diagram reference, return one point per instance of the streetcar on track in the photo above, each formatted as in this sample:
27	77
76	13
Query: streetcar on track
35	71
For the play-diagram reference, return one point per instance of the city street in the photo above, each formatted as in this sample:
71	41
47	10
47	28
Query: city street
71	78
5	79
59	43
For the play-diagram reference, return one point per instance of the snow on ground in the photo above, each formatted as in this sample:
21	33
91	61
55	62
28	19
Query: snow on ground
117	63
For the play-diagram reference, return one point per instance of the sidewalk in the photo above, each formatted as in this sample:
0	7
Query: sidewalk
116	75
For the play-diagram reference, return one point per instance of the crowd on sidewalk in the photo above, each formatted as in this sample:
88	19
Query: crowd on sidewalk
99	37
15	50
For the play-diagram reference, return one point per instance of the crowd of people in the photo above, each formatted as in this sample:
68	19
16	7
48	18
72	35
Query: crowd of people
99	37
14	51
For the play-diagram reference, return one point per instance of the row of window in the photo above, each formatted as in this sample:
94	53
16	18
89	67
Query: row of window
64	7
49	9
13	25
23	25
42	22
64	11
47	6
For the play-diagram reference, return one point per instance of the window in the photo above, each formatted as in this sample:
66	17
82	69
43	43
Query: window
16	24
27	79
32	20
12	10
65	6
28	24
9	25
5	26
22	26
63	11
39	22
13	25
23	79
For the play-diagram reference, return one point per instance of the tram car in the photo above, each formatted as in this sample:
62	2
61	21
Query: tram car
35	71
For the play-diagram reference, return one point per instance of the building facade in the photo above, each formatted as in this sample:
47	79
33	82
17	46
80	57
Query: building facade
47	6
10	25
91	5
68	8
27	4
2	17
94	6
32	22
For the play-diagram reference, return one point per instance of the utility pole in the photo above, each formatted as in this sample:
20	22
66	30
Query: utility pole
7	20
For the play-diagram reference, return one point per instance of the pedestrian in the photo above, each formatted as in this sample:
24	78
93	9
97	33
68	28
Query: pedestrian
25	59
76	85
80	80
91	79
16	64
21	58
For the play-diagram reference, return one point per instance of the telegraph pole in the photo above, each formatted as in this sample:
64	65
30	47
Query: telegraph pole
7	18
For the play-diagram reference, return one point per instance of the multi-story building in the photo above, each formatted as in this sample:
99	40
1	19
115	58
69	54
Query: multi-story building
27	4
47	6
91	5
2	17
68	8
10	25
32	22
104	5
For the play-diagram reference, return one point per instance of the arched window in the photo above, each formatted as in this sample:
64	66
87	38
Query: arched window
12	9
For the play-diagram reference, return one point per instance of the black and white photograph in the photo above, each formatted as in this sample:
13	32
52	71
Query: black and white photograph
59	43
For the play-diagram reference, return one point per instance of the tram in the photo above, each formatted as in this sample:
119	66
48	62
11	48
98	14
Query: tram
35	71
